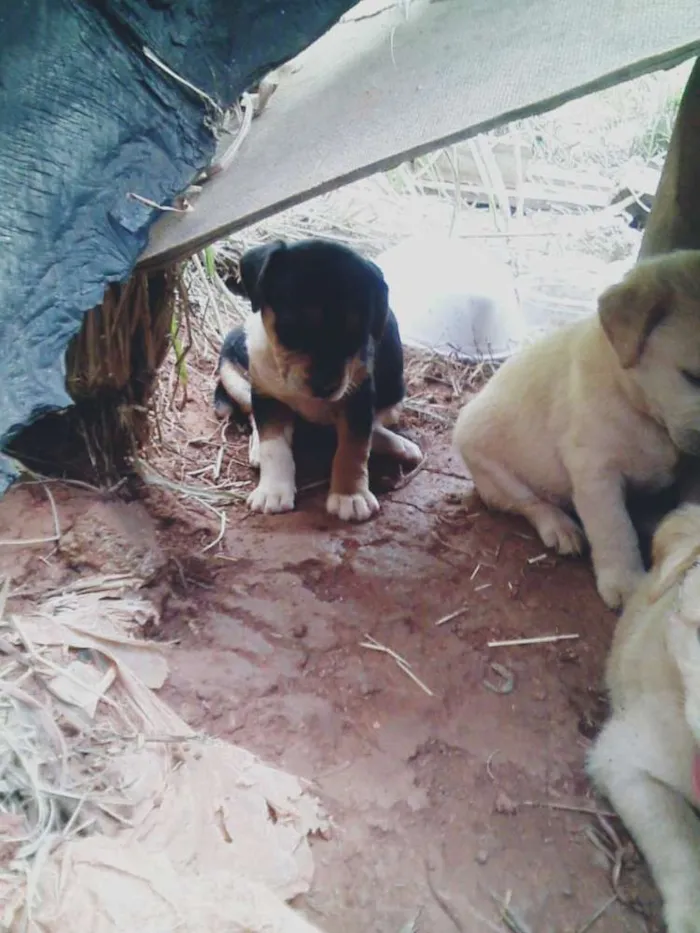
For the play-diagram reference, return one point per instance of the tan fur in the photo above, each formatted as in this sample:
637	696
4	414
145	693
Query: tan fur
573	417
350	496
643	759
284	376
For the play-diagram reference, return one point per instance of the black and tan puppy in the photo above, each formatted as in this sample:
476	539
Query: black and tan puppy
323	344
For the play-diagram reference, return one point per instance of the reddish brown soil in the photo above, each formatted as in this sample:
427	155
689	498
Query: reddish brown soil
469	784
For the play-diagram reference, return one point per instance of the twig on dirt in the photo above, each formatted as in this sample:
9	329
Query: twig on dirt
451	615
537	640
443	903
216	469
204	495
222	531
449	910
316	484
594	918
508	916
447	544
402	663
483	586
488	765
567	808
49	539
615	851
38	479
54	513
409	477
539	558
411	926
418	409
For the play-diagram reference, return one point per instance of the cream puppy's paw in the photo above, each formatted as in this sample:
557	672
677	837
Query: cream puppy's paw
357	507
272	496
682	913
616	584
557	529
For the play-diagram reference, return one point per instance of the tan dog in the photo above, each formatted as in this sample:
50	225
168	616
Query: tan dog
607	402
647	758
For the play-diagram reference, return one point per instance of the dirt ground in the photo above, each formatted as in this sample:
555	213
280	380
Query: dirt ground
461	804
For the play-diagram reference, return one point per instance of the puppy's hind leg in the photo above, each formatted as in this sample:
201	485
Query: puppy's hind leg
500	489
660	820
387	442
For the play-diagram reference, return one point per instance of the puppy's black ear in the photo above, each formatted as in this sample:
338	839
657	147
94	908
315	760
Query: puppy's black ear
631	310
380	302
254	267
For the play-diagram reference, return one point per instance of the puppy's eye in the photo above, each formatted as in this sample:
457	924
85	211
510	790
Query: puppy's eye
692	378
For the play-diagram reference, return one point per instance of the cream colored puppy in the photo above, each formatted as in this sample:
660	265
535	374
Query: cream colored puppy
647	758
607	402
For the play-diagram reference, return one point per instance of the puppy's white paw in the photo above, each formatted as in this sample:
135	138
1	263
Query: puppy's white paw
616	584
408	451
272	497
355	508
682	914
254	449
561	533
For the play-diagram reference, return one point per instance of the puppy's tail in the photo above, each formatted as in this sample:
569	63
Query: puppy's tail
232	392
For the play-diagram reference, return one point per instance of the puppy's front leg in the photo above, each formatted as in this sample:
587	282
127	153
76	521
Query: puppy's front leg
276	489
350	497
599	500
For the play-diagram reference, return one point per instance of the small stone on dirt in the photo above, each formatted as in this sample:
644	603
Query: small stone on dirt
481	857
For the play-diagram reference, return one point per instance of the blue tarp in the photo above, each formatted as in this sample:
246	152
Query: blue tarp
86	118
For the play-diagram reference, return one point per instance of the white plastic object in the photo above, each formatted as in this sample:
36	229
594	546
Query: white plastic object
451	297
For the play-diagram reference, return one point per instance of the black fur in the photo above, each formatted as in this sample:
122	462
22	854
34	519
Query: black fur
234	350
330	304
359	411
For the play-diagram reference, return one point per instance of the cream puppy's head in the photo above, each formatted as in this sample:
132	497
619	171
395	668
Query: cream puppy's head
652	320
676	564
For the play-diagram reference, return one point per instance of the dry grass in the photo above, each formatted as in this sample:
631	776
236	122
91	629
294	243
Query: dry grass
54	766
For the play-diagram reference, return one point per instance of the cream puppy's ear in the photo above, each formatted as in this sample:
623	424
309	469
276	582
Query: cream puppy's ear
630	310
675	548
